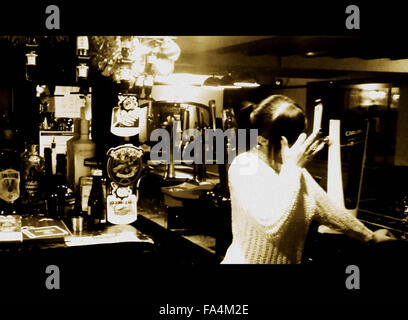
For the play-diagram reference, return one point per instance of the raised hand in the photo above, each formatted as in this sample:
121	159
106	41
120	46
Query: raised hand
303	150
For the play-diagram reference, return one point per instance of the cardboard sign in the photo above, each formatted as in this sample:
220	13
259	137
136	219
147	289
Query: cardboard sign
67	104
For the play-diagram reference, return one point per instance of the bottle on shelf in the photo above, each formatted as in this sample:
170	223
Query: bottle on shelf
46	181
60	198
85	186
85	183
96	215
70	152
82	148
32	170
10	199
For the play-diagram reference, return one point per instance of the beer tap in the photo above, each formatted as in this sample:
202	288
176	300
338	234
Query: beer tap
212	106
169	125
200	169
185	121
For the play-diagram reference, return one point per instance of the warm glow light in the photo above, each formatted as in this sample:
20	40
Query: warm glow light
246	84
183	79
371	86
377	95
230	87
189	79
215	88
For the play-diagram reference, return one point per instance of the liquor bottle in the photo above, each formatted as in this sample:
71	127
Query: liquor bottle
70	153
85	187
9	168
96	215
82	148
47	177
32	170
9	182
60	198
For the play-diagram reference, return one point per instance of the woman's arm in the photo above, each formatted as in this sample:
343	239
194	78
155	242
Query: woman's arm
332	215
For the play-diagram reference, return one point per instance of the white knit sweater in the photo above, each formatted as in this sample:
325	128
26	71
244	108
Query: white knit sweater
271	212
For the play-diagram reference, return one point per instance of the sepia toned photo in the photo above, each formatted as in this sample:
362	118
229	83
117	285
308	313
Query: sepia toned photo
128	154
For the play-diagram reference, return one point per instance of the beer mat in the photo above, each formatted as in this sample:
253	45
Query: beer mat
112	234
46	229
44	232
100	239
10	229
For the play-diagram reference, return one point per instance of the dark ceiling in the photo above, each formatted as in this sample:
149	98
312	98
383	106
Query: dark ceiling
57	54
333	46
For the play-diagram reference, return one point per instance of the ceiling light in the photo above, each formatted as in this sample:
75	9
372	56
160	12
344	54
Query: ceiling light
188	79
371	86
231	86
247	84
316	53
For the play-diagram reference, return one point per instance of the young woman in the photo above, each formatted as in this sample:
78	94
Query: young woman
274	198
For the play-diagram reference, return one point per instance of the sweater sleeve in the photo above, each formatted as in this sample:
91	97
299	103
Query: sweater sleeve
330	214
264	195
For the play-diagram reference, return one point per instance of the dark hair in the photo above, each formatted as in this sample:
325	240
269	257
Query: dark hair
278	116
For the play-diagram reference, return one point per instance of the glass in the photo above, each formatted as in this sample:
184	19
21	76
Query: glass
82	71
77	224
31	59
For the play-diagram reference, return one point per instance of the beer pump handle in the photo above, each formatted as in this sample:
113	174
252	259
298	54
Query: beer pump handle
212	106
186	119
317	120
334	170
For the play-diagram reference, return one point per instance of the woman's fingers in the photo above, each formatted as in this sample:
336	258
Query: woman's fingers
284	143
311	139
390	235
305	141
318	148
303	149
300	140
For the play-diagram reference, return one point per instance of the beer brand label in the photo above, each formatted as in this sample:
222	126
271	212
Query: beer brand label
32	188
9	185
124	164
121	210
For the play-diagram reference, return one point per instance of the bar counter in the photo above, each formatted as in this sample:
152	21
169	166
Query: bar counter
110	234
204	241
158	232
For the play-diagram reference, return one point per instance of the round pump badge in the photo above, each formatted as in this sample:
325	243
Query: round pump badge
124	164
